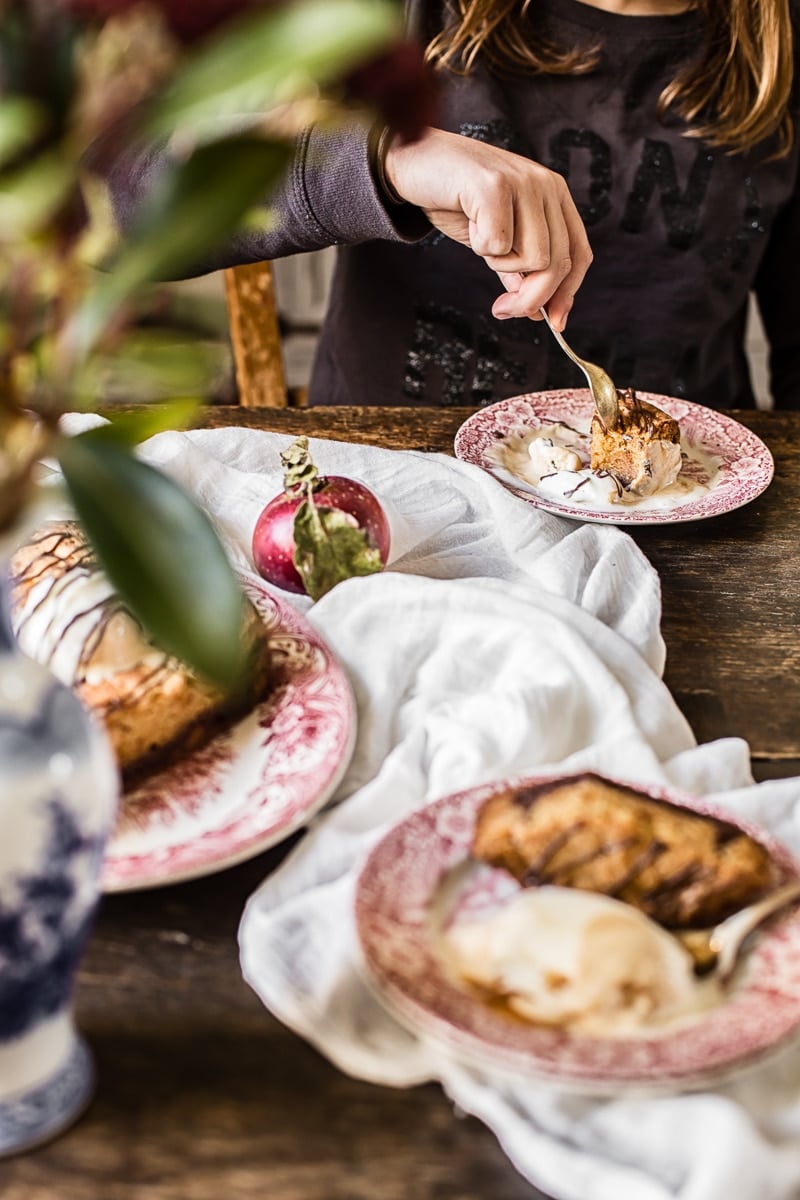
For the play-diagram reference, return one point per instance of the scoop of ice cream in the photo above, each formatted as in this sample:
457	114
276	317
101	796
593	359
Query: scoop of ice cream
539	453
547	454
559	956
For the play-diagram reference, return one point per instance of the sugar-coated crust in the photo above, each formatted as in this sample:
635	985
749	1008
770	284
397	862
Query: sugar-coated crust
682	869
154	711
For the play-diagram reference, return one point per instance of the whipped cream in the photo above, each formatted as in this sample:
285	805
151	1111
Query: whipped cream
579	960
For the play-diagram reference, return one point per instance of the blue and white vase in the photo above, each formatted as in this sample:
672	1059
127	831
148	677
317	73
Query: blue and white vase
58	795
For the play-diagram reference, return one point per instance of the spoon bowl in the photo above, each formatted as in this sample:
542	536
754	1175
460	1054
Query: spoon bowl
717	949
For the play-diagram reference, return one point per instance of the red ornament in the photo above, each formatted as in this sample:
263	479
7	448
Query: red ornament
319	530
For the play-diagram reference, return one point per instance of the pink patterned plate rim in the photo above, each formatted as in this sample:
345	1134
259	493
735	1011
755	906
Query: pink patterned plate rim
760	1013
745	465
255	783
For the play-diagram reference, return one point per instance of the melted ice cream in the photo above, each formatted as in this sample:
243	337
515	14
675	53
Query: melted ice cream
563	957
553	461
659	470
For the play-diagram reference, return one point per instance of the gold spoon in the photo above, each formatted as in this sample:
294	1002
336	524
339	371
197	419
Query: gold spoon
602	386
718	949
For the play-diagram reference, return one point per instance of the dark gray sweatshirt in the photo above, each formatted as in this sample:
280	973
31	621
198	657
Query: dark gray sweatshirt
681	233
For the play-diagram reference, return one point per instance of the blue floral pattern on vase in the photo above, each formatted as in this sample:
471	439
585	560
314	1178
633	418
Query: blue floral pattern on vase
58	793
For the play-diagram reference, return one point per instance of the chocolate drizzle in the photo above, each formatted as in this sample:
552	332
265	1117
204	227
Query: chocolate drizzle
55	562
571	491
536	872
640	419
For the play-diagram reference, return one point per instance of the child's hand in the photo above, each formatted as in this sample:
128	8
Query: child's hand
514	213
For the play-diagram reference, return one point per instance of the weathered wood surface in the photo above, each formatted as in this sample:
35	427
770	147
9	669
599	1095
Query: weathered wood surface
202	1094
731	585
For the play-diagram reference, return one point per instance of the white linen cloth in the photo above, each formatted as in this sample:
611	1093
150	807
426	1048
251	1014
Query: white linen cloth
501	640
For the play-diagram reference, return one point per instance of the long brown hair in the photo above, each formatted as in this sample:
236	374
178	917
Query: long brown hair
734	93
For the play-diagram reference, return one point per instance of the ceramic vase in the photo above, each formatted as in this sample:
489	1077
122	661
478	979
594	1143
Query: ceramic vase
58	795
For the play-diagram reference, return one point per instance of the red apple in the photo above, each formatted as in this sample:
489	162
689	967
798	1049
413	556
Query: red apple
330	527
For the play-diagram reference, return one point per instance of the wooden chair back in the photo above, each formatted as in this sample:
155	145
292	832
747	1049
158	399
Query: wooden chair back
256	336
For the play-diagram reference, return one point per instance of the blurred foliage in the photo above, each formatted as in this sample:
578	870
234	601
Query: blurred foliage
226	84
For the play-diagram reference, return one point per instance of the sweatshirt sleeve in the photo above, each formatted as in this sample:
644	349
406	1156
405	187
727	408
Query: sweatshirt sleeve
328	197
778	297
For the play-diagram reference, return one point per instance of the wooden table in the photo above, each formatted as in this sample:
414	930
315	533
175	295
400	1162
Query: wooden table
202	1095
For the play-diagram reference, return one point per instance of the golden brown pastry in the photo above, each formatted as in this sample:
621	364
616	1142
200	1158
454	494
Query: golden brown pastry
66	615
643	452
682	869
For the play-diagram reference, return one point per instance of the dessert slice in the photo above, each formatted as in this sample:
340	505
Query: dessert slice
681	868
643	453
67	616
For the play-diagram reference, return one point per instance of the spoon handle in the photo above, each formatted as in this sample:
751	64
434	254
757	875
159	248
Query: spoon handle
727	938
570	353
604	393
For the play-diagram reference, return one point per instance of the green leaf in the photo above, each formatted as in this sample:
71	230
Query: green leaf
275	56
195	207
330	548
21	122
126	430
149	365
31	195
161	554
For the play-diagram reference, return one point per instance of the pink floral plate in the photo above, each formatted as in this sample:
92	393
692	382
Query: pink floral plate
398	891
729	465
255	783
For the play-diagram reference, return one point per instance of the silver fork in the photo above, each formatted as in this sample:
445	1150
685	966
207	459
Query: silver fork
602	386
